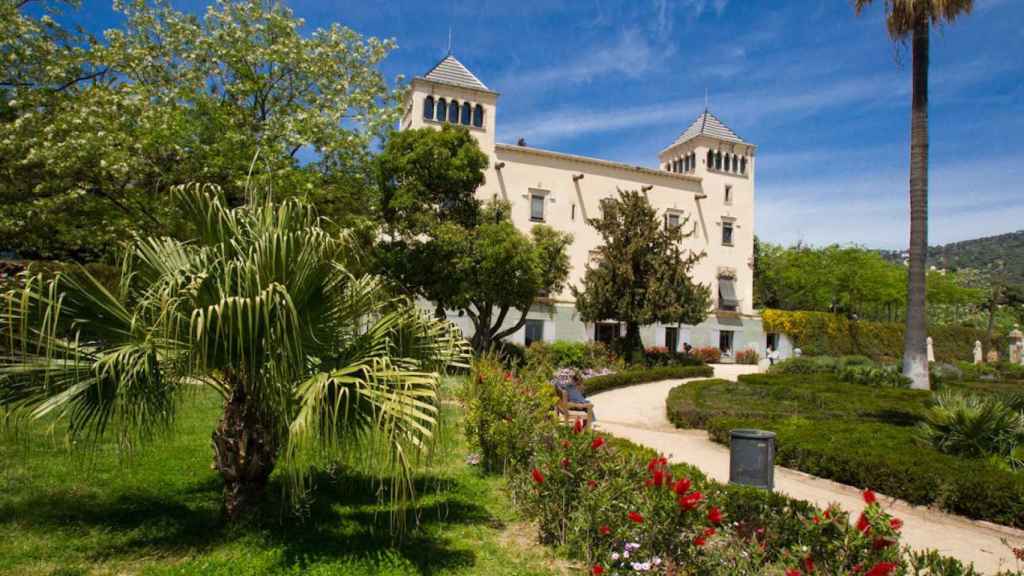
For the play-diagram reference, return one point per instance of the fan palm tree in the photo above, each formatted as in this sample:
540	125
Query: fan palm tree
913	19
314	364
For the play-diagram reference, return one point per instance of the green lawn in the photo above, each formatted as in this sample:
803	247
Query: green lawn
858	435
158	512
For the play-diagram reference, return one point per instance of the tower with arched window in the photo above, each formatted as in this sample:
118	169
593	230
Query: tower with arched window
450	94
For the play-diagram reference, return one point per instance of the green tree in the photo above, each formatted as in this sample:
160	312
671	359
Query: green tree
103	127
499	270
314	364
913	19
643	274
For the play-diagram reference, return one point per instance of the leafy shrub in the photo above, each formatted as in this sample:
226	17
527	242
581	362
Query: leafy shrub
662	356
942	372
878	376
511	354
639	376
804	365
566	354
748	356
707	354
974	426
505	412
821	334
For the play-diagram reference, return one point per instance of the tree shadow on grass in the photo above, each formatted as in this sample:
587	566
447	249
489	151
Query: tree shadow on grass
348	518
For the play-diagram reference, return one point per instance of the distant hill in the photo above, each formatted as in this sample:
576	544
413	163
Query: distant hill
1005	251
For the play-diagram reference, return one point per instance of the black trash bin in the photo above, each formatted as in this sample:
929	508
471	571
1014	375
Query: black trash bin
751	458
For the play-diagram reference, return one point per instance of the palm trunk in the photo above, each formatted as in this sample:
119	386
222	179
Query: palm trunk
915	355
244	453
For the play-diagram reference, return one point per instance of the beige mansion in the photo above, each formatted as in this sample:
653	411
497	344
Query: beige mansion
706	175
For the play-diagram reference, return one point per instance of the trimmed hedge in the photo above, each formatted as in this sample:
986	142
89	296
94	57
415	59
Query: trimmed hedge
824	334
630	377
855	435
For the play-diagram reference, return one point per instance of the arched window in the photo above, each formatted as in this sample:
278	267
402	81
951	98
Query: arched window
478	116
428	107
442	110
686	163
711	159
718	160
743	165
693	160
728	162
735	163
467	112
453	111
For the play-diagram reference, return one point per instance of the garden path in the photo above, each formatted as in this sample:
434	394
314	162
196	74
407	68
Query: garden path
638	414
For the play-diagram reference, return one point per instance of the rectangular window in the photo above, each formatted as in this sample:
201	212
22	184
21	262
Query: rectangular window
537	207
727	299
672	338
534	331
772	340
726	233
728	194
725	342
671	221
606	332
574	212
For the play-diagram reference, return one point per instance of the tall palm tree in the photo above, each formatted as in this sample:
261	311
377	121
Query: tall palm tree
913	19
314	364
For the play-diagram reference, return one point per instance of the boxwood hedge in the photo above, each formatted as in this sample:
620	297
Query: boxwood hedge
852	434
642	375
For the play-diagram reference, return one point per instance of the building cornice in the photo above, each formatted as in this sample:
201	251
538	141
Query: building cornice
455	85
598	162
712	140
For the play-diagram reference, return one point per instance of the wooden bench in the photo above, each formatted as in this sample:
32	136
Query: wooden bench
572	411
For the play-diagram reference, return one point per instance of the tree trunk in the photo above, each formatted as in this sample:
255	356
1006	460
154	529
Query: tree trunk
634	346
915	355
244	453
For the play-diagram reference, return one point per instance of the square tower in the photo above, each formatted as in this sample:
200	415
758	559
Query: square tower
450	94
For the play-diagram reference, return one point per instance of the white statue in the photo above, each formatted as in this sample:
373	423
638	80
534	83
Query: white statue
978	354
931	350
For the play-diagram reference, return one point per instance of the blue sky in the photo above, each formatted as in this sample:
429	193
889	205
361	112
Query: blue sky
823	94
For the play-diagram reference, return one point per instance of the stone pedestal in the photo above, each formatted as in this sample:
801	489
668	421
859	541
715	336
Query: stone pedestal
1016	338
931	350
978	354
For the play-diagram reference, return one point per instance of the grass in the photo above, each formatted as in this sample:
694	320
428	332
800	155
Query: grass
858	435
157	512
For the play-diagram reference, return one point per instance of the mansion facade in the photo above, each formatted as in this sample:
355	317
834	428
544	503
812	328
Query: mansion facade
705	175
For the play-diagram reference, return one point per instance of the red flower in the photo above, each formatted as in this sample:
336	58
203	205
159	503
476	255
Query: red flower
896	524
604	530
508	375
699	541
827	515
659	478
566	444
577	426
709	532
862	523
792	572
592	483
565	462
682	486
715	515
597	443
636	517
816	520
656	463
857	568
597	569
537	476
881	569
869	497
808	564
690	501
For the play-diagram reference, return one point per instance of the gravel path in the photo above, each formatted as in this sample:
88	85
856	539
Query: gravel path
638	413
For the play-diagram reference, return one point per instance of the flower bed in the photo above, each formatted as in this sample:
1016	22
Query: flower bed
855	435
620	508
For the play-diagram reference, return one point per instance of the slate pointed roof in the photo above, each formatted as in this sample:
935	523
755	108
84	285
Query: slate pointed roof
451	71
707	124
